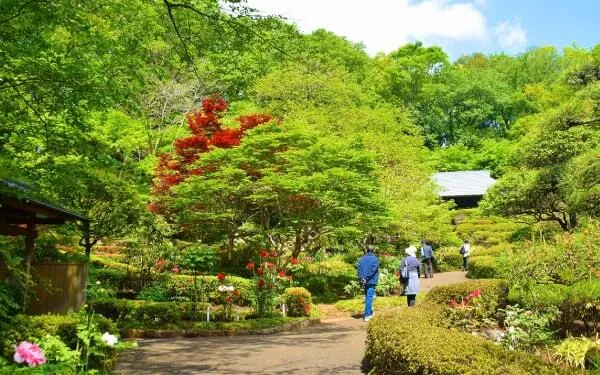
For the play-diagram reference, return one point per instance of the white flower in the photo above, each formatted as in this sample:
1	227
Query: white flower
109	339
226	288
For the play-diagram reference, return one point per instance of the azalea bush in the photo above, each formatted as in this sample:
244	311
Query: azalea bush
468	313
298	301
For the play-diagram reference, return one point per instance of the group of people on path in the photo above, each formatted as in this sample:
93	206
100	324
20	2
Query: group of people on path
409	273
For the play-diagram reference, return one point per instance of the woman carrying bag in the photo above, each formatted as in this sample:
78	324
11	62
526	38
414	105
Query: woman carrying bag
410	270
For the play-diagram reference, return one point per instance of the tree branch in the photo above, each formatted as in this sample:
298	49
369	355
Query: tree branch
573	123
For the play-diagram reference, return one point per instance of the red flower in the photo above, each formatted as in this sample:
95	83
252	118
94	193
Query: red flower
270	265
250	266
476	293
273	253
228	299
261	283
294	260
220	276
397	274
236	292
263	253
281	273
259	271
175	269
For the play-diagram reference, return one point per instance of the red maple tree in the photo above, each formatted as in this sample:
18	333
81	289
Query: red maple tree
207	133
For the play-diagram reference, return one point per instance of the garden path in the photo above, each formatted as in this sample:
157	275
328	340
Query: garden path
336	346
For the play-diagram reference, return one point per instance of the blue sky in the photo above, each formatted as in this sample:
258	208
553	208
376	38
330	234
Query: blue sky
459	26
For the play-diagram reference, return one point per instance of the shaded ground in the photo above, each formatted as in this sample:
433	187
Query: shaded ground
335	347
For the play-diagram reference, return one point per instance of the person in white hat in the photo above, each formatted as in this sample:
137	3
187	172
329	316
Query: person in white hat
410	270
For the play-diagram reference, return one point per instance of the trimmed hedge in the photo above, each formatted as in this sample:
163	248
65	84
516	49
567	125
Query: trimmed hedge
496	289
483	267
152	314
448	259
410	341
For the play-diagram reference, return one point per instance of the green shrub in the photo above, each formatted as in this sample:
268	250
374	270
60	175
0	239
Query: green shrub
539	297
496	289
483	267
521	234
592	358
495	250
388	283
448	259
298	301
578	302
37	328
410	341
573	351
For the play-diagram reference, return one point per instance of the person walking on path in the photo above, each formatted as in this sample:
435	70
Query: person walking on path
410	269
427	256
368	275
465	251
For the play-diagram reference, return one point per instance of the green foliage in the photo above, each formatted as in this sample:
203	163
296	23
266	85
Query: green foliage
388	283
496	289
448	259
356	306
574	352
527	329
396	341
8	305
298	301
592	358
483	267
69	341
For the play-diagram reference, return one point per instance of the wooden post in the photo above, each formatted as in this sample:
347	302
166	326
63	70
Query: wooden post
86	239
29	254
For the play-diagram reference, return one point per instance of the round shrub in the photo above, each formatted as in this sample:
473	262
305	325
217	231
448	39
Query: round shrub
483	267
298	301
448	259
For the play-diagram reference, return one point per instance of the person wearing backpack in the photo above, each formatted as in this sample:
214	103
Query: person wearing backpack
465	251
368	276
427	259
410	269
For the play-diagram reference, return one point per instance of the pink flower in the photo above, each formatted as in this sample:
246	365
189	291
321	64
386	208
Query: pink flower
476	293
175	269
30	353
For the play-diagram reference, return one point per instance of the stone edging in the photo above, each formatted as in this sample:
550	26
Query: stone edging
181	333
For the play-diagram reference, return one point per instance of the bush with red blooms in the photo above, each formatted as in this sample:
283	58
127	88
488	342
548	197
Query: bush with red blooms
269	281
469	313
207	133
228	294
298	301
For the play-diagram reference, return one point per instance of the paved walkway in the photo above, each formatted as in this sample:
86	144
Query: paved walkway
334	347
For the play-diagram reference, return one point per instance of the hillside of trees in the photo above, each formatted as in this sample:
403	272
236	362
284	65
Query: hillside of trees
312	144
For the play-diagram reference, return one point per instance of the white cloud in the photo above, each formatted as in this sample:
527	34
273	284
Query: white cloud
384	25
511	36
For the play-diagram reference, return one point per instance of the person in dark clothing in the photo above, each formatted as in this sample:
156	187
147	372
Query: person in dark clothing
427	259
368	275
465	251
410	269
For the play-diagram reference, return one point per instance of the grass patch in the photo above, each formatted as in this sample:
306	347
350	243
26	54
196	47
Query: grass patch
357	305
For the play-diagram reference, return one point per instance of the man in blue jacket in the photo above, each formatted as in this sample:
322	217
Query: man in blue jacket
368	275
